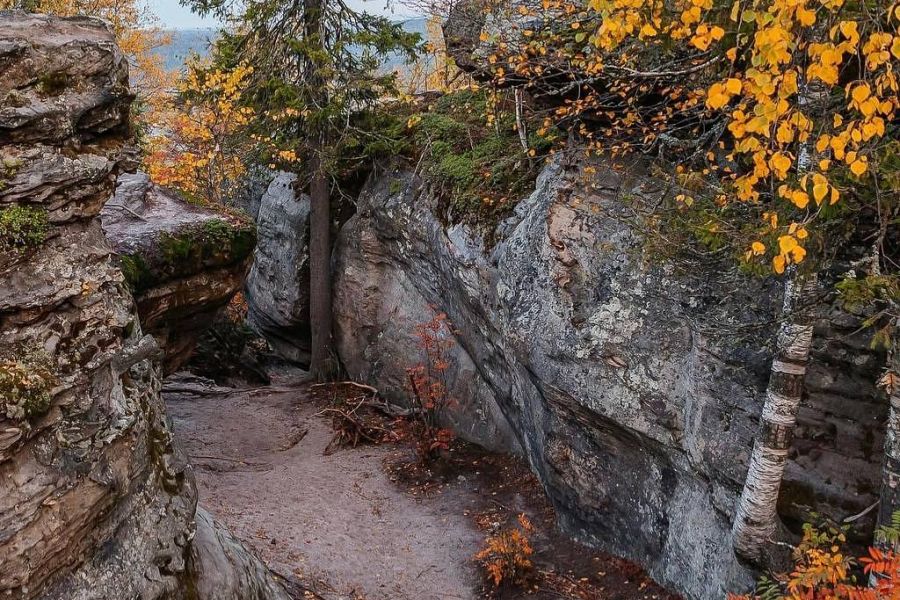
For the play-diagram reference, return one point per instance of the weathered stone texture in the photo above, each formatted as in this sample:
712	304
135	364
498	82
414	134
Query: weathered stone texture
633	388
277	288
184	263
96	501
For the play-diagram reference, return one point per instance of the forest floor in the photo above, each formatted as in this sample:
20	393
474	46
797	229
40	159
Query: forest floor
367	522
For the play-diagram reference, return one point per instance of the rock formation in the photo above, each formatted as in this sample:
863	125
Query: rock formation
96	501
182	262
277	289
633	388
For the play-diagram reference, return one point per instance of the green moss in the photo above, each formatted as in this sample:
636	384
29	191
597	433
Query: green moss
22	228
138	275
8	169
53	84
211	244
480	170
27	378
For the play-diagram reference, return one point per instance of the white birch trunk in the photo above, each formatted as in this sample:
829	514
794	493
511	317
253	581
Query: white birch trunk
521	127
890	468
755	519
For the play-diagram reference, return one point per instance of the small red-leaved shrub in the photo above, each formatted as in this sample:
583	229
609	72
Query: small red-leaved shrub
506	557
427	383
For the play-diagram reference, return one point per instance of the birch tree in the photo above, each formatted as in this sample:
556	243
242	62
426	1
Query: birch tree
755	518
778	116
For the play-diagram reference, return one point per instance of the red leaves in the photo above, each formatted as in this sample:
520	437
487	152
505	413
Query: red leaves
428	387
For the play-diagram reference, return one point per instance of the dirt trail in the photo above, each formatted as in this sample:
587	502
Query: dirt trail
366	522
339	518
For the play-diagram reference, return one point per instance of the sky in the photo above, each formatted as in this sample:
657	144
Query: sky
175	16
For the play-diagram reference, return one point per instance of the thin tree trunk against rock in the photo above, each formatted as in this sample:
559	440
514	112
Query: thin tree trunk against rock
890	468
756	518
321	354
521	127
320	364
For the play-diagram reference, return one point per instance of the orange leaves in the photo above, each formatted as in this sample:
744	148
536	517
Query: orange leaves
506	556
199	152
705	35
822	570
780	163
720	94
790	135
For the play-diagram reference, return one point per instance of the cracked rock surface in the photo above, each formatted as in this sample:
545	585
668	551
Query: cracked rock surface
96	500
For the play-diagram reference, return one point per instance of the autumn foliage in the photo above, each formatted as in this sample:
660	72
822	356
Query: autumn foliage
202	149
785	106
823	571
427	383
506	557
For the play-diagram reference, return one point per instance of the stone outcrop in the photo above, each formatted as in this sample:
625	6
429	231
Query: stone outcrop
182	262
96	501
277	288
633	388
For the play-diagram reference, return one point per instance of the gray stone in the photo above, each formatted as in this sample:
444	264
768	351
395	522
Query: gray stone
183	262
96	500
221	568
633	387
277	288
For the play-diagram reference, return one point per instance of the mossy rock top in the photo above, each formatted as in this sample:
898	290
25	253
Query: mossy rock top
160	237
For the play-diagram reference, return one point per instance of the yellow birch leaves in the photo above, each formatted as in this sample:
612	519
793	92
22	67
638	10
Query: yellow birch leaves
199	154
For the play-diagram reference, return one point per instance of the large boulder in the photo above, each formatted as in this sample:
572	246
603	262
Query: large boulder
96	500
277	289
182	262
633	387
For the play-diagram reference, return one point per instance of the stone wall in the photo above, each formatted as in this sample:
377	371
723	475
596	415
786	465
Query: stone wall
632	387
96	501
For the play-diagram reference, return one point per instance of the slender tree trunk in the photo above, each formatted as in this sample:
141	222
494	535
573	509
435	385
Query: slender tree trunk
755	519
321	364
890	467
521	127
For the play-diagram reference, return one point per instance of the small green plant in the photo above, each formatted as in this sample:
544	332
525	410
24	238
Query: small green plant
53	84
22	228
26	381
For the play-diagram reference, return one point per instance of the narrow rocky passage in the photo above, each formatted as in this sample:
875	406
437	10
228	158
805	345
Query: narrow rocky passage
337	520
359	524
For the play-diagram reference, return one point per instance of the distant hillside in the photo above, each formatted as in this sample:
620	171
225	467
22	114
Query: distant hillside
184	42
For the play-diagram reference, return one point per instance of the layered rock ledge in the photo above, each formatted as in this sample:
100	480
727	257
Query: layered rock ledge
96	500
182	262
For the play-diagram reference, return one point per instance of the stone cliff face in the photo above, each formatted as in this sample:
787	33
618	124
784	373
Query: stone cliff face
96	501
633	390
277	289
183	263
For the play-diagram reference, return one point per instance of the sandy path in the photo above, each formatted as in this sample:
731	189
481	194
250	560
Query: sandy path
337	519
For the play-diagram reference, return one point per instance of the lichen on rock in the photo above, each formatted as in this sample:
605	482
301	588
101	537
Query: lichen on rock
183	263
96	499
26	384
